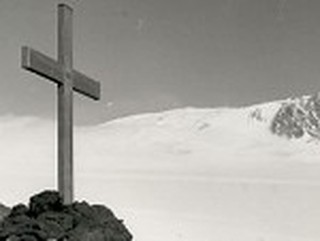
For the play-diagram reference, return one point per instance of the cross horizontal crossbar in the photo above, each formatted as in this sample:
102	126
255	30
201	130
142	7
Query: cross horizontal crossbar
39	63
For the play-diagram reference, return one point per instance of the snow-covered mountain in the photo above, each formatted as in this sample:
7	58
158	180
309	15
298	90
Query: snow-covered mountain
236	174
277	132
239	174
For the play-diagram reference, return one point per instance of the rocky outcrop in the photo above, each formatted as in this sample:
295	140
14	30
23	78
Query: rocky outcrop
298	117
47	218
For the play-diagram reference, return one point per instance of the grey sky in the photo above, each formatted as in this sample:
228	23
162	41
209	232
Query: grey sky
153	55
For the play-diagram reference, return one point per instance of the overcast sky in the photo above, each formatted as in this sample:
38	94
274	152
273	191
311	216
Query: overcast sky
153	55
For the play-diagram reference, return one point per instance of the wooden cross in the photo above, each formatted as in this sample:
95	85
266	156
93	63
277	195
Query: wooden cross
67	79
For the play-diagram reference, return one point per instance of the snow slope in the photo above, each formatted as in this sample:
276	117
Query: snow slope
200	141
186	174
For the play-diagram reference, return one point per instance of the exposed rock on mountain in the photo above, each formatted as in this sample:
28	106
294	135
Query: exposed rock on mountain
298	117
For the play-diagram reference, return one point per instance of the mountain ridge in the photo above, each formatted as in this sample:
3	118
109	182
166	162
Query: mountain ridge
294	117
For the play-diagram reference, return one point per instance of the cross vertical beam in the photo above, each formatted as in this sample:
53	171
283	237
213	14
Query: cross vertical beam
61	72
65	99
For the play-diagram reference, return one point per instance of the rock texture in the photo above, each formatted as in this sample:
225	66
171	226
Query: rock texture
4	211
298	117
47	218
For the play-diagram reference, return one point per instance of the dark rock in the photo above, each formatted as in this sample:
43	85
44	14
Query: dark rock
55	224
298	117
19	210
47	218
288	122
27	237
12	238
53	229
95	235
102	213
4	211
62	219
22	225
45	201
84	209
